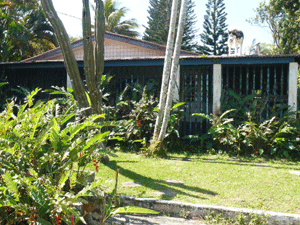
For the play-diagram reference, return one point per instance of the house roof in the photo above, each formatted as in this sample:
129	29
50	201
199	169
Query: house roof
117	47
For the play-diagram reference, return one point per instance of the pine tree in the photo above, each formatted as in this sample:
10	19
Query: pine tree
159	20
214	36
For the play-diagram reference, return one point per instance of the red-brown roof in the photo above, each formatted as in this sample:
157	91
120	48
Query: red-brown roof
116	47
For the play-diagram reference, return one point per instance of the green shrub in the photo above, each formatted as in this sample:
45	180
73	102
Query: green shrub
44	149
246	130
136	119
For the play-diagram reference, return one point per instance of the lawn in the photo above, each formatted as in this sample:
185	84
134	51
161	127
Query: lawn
208	179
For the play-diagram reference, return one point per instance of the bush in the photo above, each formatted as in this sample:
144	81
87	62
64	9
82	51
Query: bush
136	119
247	132
44	149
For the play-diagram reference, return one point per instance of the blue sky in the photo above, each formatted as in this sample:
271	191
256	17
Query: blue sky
238	12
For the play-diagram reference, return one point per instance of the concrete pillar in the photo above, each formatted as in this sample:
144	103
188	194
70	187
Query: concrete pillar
177	86
69	84
293	75
217	88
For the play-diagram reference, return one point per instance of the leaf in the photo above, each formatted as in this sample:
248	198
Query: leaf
89	187
203	116
3	83
177	133
286	154
68	117
31	95
37	196
73	179
63	179
88	98
177	105
43	210
97	138
225	113
11	185
43	222
261	151
54	137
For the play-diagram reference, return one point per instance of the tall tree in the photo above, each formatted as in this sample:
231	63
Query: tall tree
113	19
93	55
283	20
169	77
214	36
159	21
24	30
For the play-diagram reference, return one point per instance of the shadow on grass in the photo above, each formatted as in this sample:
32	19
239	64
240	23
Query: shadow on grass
239	162
160	185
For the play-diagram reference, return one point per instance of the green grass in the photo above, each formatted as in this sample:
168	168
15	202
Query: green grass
209	179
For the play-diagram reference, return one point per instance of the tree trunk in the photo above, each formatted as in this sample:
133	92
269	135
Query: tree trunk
174	70
93	60
166	70
90	68
69	57
99	45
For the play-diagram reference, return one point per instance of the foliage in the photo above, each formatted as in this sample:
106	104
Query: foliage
255	103
138	119
214	36
248	132
114	22
44	150
252	219
282	18
3	93
158	24
135	113
24	31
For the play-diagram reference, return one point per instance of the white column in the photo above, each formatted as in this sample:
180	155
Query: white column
69	84
217	88
293	75
177	86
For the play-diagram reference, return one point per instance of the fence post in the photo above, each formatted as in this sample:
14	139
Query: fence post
217	88
293	75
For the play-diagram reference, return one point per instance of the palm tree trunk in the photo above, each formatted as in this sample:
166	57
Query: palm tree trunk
174	70
166	70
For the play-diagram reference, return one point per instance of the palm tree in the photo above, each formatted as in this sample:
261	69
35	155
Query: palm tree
24	30
114	22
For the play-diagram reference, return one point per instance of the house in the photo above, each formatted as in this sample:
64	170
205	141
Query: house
201	80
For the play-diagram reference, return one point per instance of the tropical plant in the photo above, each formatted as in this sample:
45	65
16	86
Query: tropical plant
45	148
247	130
44	151
134	117
257	105
24	31
158	24
113	19
137	123
214	36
